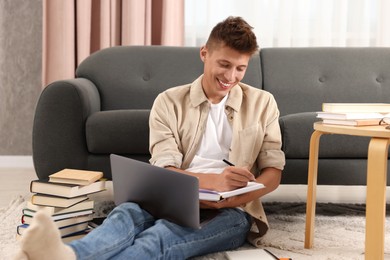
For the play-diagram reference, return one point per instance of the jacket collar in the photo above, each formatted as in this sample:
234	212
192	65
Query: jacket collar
197	95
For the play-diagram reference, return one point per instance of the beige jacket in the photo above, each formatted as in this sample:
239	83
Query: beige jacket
178	120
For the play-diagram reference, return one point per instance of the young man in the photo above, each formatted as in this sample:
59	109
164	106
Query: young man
192	129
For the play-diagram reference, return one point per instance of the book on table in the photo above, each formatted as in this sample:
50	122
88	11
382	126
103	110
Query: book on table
352	122
356	107
350	115
74	176
65	190
216	196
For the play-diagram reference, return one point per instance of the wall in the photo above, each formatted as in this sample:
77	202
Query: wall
20	73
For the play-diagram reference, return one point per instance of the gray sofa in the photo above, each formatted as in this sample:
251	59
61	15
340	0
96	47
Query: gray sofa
79	122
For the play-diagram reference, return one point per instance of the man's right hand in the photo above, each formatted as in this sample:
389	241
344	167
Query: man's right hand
231	178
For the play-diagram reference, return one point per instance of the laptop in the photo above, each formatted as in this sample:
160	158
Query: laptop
163	193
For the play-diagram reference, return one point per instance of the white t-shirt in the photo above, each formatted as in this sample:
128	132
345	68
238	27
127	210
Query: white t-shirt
215	143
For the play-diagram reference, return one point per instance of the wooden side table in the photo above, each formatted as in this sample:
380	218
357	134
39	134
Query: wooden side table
376	183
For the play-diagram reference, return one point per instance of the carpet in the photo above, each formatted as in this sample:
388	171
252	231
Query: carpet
339	230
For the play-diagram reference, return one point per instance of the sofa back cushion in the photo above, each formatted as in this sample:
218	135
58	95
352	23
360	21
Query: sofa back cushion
301	79
130	77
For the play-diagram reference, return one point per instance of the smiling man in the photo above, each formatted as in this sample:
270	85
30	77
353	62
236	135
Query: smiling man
193	128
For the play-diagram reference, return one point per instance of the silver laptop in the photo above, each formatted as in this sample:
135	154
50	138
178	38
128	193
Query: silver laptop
163	193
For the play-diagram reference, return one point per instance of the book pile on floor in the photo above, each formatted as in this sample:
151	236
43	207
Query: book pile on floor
65	197
355	114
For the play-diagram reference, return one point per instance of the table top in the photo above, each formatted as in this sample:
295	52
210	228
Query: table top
371	131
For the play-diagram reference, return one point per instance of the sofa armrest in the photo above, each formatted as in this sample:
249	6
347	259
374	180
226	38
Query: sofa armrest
59	125
296	132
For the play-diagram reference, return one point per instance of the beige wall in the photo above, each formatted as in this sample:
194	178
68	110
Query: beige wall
20	73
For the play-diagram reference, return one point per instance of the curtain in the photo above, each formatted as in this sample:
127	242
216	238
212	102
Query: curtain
296	23
72	30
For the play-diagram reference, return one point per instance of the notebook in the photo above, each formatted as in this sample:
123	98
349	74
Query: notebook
163	193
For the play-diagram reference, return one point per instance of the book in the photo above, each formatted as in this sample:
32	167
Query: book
26	219
73	176
75	236
95	222
55	201
350	115
216	196
65	190
356	107
64	231
253	254
60	216
352	122
68	238
84	205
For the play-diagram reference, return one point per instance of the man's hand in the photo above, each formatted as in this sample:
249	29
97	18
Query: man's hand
270	177
232	178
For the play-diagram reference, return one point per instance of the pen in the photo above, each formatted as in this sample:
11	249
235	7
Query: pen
230	164
274	256
227	162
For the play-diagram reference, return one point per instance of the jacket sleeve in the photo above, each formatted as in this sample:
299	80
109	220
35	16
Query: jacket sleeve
163	145
271	154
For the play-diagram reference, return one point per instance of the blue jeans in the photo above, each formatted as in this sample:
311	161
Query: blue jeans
132	233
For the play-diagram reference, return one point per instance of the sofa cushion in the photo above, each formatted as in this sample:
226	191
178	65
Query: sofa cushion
301	79
123	74
118	131
296	131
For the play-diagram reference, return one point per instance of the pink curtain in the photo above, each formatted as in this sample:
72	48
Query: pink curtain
72	30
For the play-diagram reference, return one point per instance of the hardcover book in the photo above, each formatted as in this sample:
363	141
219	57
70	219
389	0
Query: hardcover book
84	205
356	107
65	190
55	201
356	122
349	115
73	176
61	216
26	219
64	231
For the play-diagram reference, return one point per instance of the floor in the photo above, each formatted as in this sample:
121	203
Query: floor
16	181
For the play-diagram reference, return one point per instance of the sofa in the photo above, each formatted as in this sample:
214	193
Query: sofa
79	122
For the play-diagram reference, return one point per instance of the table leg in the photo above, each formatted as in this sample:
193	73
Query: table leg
376	197
312	187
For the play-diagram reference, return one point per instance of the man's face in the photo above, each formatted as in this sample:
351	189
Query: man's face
223	69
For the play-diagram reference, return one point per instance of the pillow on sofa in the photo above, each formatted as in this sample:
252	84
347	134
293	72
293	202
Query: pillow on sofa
296	131
118	131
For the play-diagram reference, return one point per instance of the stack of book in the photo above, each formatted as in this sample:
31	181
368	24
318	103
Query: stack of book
354	114
65	196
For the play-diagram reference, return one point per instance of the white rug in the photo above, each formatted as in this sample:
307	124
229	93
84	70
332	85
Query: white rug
336	237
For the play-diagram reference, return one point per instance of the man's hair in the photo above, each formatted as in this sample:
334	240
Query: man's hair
233	32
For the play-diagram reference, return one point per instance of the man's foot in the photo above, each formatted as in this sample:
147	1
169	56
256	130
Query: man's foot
42	240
